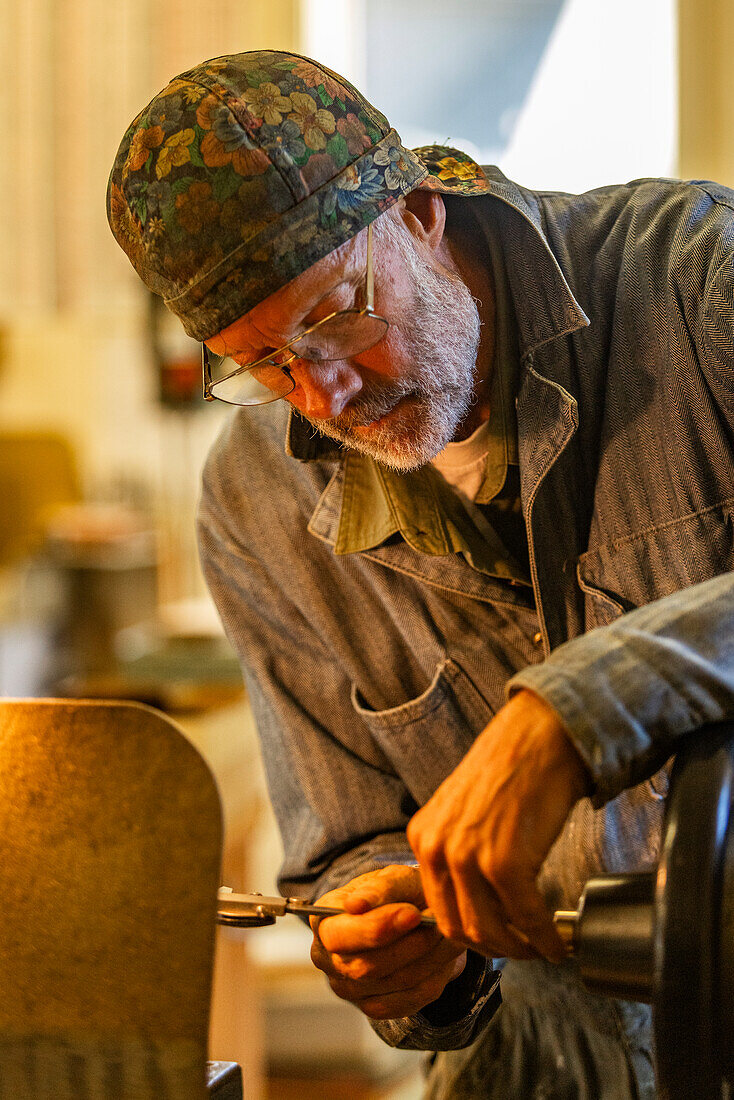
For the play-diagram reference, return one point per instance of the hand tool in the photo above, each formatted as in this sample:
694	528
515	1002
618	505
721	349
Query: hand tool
257	910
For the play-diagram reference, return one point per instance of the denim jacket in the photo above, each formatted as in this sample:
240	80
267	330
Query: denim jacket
370	674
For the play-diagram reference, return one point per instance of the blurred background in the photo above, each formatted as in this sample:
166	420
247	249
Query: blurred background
102	428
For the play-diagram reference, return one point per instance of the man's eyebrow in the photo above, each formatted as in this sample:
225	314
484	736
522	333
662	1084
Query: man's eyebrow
246	344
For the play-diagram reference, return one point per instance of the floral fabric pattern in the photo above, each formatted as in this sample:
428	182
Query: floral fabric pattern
313	122
248	169
451	170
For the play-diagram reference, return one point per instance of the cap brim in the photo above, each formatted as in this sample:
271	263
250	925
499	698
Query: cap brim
452	172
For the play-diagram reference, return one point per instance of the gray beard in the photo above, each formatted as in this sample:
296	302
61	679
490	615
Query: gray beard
442	340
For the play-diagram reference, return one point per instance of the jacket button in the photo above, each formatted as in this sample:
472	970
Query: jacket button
538	638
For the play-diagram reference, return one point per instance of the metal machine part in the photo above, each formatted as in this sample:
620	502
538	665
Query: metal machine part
694	909
611	935
223	1081
667	937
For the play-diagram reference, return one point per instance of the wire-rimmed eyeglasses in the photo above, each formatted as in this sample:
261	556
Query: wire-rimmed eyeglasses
341	335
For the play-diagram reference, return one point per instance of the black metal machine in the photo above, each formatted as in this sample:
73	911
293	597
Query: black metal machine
667	937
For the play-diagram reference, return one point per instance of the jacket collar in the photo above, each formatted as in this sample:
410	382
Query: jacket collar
545	305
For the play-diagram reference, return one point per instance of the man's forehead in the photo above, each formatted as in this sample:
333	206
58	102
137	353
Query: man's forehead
302	293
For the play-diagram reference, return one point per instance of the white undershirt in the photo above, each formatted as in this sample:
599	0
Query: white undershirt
463	464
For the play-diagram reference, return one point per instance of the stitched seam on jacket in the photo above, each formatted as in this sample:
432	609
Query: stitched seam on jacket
718	199
412	710
616	544
444	587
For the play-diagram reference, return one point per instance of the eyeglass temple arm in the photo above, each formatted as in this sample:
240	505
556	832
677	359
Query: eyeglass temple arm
370	285
370	305
206	375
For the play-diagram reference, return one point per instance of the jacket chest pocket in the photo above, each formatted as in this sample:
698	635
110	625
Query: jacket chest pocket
630	572
425	738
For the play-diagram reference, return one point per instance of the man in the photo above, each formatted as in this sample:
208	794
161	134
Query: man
476	559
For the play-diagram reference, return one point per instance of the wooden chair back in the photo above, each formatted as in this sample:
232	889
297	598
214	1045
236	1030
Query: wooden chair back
110	841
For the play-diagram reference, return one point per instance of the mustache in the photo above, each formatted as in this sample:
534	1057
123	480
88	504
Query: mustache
368	407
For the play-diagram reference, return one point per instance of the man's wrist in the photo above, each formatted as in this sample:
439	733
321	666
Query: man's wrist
579	774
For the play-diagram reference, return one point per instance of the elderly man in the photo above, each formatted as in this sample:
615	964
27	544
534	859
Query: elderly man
469	532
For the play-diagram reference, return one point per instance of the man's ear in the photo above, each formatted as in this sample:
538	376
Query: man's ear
424	214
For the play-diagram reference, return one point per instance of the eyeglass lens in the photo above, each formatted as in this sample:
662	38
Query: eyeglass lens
342	336
265	383
345	334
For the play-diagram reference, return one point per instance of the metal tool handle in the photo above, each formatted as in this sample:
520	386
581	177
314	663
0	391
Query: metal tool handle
256	910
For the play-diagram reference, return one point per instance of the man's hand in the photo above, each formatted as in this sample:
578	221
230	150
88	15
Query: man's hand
377	955
482	838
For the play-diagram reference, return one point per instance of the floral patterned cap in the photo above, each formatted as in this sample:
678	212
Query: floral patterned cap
248	169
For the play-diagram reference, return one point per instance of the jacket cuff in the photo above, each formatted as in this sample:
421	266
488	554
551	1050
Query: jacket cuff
381	851
456	1018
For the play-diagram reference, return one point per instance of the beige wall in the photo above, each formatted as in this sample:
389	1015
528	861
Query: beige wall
75	72
74	350
706	93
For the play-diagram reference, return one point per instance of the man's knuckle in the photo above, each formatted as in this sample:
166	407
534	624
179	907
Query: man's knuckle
452	929
359	969
362	880
433	856
459	856
419	846
473	932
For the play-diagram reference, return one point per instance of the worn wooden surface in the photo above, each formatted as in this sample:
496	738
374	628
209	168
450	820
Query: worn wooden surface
110	837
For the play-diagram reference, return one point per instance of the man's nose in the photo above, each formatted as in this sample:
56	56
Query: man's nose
324	389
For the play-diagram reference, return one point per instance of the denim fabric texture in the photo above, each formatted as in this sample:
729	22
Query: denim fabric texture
371	673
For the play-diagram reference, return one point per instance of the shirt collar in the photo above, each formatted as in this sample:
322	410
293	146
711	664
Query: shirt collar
378	503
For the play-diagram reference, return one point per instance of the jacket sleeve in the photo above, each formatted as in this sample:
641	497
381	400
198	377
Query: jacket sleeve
712	324
628	691
339	812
